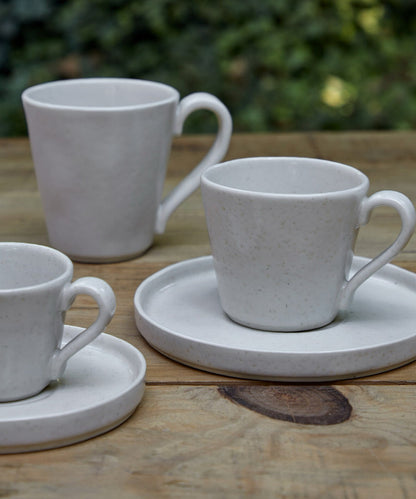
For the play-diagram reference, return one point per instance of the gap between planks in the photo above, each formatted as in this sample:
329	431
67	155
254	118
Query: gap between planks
272	383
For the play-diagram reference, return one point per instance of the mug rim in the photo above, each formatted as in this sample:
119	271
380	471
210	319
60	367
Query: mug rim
64	276
172	95
361	187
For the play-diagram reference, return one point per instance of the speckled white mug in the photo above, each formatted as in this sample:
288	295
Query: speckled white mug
282	232
100	148
35	292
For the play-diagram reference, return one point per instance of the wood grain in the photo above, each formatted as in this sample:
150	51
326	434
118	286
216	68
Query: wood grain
187	439
21	219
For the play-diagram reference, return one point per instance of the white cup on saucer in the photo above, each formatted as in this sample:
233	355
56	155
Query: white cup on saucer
282	232
100	148
35	292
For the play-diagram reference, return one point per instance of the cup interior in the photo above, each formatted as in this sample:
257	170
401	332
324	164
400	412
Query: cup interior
23	266
103	93
285	176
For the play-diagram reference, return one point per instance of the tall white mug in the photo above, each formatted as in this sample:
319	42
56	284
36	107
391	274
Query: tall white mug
100	148
282	232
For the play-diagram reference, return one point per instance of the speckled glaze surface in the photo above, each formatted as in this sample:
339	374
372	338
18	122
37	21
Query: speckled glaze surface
100	389
100	148
35	292
282	232
178	312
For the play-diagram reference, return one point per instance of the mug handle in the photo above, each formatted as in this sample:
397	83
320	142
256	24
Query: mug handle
106	301
191	103
407	214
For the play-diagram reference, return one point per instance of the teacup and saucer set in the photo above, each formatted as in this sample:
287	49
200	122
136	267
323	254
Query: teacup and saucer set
59	384
282	297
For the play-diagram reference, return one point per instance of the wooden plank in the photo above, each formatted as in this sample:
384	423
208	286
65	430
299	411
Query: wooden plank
192	442
386	158
197	434
21	219
124	278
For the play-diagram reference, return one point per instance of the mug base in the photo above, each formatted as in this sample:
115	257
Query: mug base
105	259
17	398
301	328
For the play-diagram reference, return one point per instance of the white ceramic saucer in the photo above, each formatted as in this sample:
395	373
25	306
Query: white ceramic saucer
178	312
101	387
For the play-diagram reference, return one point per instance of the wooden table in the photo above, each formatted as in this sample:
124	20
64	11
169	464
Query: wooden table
187	438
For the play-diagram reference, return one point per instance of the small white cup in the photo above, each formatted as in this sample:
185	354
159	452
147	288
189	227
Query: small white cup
35	292
100	148
282	232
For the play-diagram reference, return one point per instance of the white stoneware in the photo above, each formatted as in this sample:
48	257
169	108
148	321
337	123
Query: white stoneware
178	312
282	232
35	292
100	389
100	148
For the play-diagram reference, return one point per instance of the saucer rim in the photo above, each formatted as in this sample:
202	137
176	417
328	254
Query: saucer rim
149	328
33	431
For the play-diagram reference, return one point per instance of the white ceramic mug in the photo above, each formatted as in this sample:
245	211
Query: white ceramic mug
100	148
282	232
35	292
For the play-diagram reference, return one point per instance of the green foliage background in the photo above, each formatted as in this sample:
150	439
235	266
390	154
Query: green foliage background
276	64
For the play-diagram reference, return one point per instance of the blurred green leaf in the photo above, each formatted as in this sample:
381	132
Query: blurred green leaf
269	61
